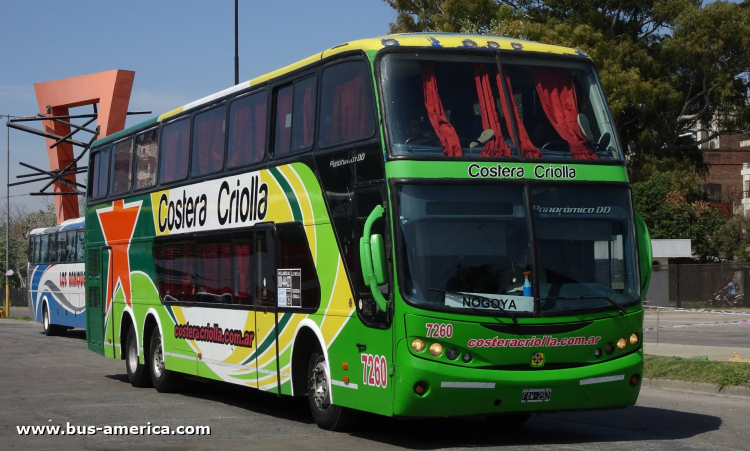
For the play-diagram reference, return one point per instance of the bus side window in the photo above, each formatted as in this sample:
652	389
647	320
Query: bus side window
71	246
247	130
99	174
213	278
346	110
209	129
52	254
122	167
62	248
295	117
265	271
175	263
175	150
243	265
146	159
294	253
42	255
81	247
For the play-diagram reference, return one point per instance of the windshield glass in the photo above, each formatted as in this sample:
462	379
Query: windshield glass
455	105
586	247
459	240
469	247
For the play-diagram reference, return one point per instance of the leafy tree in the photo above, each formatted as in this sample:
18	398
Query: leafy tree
21	223
734	239
672	210
668	67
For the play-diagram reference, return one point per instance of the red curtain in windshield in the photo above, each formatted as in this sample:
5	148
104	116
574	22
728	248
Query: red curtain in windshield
528	149
558	98
243	257
217	269
210	142
445	131
496	146
308	119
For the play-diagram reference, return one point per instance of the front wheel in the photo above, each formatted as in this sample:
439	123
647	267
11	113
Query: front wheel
326	415
49	328
138	374
163	379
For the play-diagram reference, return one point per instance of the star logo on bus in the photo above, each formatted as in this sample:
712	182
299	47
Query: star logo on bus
118	224
537	359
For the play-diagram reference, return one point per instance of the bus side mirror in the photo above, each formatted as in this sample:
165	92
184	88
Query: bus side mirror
377	247
645	253
372	258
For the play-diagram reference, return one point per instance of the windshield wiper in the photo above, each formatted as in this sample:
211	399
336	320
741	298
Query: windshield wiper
619	307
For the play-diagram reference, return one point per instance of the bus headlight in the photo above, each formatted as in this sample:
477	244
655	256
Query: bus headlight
418	345
452	353
634	339
622	344
436	349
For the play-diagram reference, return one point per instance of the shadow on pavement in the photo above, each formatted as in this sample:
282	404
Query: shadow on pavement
631	424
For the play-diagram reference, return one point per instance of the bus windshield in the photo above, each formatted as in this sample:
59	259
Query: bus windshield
456	105
475	240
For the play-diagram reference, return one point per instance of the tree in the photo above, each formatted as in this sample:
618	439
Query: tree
21	223
671	209
734	239
668	67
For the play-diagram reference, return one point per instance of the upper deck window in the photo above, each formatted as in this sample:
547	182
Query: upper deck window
99	174
122	167
175	149
457	106
208	141
346	110
146	158
247	130
295	117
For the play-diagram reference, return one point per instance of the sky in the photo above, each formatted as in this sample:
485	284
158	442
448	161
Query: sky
180	51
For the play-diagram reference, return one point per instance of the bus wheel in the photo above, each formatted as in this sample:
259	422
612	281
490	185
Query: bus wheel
326	415
138	374
163	379
510	421
49	328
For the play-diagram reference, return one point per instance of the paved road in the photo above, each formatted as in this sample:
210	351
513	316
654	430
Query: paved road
724	336
55	380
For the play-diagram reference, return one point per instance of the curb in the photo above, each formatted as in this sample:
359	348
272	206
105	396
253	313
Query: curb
695	387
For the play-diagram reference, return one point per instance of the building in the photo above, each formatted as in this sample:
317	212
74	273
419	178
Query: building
727	183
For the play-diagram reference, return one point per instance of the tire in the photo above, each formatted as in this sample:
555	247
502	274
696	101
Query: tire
164	380
510	421
138	374
326	415
49	328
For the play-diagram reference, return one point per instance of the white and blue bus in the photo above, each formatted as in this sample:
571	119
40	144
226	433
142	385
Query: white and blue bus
56	276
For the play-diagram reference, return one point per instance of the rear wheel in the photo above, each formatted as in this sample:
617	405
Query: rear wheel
164	380
326	415
138	374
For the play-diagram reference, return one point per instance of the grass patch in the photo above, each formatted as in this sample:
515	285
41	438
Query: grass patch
691	370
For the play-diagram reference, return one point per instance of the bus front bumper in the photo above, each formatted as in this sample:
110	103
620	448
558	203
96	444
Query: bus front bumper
453	390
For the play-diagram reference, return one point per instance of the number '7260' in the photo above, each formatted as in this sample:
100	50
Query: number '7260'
439	330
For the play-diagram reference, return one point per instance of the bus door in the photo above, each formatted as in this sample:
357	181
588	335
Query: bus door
96	258
266	313
373	348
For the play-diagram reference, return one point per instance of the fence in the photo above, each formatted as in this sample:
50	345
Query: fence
693	285
19	297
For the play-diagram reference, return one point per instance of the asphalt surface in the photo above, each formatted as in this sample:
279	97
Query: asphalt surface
728	336
56	381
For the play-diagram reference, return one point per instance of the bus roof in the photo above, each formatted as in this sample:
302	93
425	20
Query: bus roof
414	40
65	225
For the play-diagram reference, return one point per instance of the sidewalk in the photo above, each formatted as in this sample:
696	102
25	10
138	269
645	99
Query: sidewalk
722	353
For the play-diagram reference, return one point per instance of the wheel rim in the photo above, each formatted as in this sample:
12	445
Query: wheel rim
133	355
158	358
320	386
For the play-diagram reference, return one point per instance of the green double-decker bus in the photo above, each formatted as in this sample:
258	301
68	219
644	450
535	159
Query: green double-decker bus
416	225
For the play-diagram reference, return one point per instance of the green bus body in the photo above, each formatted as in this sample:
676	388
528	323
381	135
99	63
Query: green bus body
265	338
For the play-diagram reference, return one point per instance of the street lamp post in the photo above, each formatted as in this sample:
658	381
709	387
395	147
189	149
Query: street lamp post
7	223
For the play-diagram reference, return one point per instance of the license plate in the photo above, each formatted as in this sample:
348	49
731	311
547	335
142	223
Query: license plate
536	395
